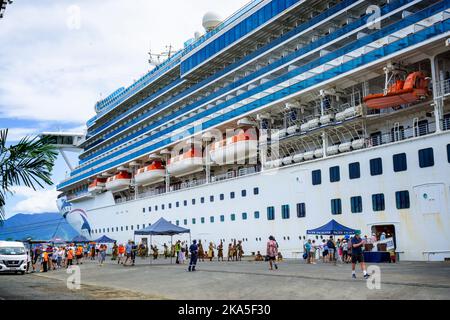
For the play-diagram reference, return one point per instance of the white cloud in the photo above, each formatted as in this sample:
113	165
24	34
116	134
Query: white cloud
32	201
50	71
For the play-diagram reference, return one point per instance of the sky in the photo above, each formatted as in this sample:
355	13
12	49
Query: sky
59	57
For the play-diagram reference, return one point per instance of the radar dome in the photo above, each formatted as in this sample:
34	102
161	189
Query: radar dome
211	20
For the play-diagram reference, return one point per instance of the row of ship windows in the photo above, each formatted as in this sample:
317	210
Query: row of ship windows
426	159
202	200
378	204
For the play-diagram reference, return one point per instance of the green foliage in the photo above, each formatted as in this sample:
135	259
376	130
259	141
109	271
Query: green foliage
29	163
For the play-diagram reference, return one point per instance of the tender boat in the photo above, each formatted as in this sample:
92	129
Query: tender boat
186	163
413	89
97	185
118	182
152	173
236	148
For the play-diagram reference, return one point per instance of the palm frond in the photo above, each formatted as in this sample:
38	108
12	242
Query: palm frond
30	162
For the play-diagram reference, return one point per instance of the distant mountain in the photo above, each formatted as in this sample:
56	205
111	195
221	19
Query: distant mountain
38	226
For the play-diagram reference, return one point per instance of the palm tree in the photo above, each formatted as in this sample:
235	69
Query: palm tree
29	162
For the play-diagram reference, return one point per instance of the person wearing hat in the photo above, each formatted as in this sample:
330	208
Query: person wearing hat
357	256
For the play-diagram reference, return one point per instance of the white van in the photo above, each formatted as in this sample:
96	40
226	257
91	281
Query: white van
13	257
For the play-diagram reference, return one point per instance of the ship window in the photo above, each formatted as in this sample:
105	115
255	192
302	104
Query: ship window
117	229
121	228
202	200
256	190
177	204
354	171
336	206
149	209
448	153
137	227
426	158
185	203
244	193
193	220
232	195
193	201
222	196
143	226
402	199
107	229
256	214
399	160
202	219
170	205
233	217
301	210
270	213
285	211
131	227
211	198
356	204
222	218
334	174
211	219
316	177
378	202
376	167
244	215
126	228
143	210
177	222
156	208
185	221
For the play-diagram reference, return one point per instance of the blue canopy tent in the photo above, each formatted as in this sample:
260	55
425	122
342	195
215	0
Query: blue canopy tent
104	239
57	240
80	239
332	228
162	227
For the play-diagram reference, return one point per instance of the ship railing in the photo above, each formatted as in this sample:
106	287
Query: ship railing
398	133
149	193
443	88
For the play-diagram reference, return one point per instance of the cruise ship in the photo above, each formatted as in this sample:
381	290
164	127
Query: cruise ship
276	120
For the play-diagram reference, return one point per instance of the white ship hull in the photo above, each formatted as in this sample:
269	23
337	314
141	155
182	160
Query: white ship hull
419	230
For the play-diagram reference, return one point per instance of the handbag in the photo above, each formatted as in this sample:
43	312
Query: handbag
305	256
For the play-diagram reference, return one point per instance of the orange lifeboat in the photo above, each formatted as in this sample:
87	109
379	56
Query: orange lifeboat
120	181
236	148
186	163
155	172
413	89
97	185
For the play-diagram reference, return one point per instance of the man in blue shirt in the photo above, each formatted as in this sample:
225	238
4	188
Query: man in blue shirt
193	249
357	255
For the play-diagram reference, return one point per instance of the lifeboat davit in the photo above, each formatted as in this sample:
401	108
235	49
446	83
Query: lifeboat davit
97	185
120	181
413	89
236	148
150	174
186	163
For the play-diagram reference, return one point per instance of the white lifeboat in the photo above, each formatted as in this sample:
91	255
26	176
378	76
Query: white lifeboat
118	182
186	163
234	149
97	185
152	173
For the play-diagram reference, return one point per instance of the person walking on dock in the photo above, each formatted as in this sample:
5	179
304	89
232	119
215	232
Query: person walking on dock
272	252
357	255
194	255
